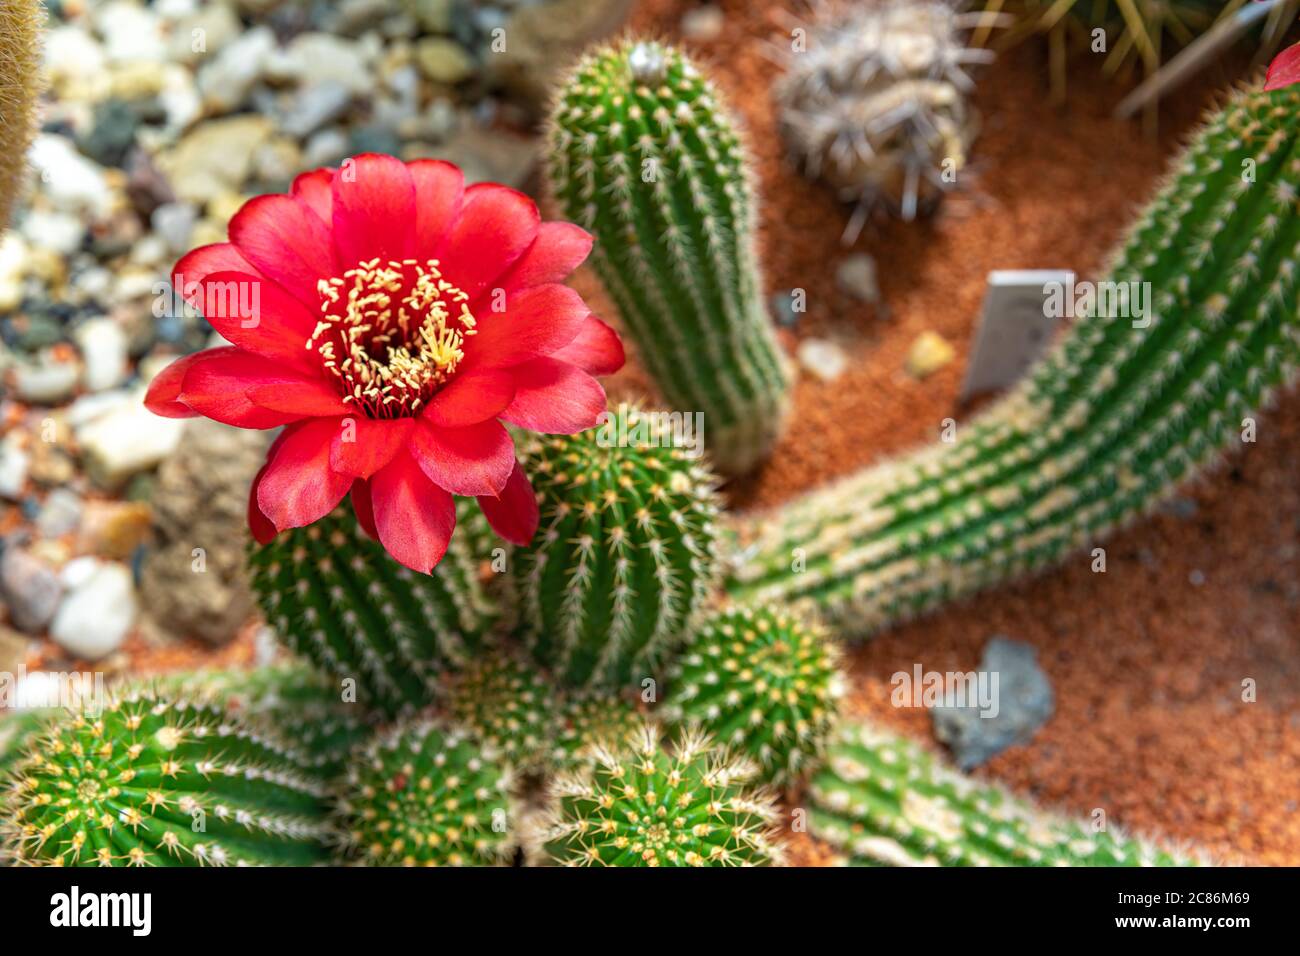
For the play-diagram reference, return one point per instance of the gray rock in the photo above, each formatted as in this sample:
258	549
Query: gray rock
173	222
60	232
30	588
215	157
316	106
325	148
103	347
200	500
69	180
98	611
45	382
703	24
824	359
60	514
14	465
226	80
1024	702
783	311
127	440
856	275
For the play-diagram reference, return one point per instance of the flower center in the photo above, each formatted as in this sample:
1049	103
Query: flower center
391	334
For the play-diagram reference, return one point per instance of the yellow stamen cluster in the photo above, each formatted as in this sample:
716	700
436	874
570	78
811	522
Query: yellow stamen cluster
391	334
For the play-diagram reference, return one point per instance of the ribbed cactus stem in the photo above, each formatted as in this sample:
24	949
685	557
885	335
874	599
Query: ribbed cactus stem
1106	427
335	597
646	157
882	800
150	781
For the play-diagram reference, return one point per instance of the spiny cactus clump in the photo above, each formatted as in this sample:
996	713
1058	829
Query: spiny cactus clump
874	100
152	781
884	800
644	805
427	794
17	731
624	556
588	720
1123	409
20	22
762	682
334	596
644	154
508	705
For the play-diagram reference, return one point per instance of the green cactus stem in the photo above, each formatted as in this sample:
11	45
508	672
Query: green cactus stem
429	795
882	800
624	556
763	682
509	706
644	805
588	720
1102	430
334	596
645	156
153	782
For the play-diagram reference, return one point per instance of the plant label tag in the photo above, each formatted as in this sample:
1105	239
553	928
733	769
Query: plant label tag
1015	327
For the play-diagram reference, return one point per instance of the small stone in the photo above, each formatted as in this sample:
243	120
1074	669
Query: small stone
313	58
127	440
857	276
226	80
112	134
58	232
60	514
115	529
1023	701
492	156
69	180
783	310
130	32
46	382
95	616
929	352
326	148
703	24
104	353
443	61
316	106
14	466
173	222
1196	577
30	588
824	359
215	157
13	656
203	33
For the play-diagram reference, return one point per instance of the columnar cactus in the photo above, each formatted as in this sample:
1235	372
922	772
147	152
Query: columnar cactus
509	706
337	598
428	795
644	154
1103	429
762	682
642	805
20	22
625	552
151	781
884	800
874	101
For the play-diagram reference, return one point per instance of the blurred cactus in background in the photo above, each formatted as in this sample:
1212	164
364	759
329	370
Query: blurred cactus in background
20	23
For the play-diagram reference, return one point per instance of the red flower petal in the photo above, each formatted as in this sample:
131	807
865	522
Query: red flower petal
163	396
298	485
438	189
471	398
495	227
514	515
363	445
364	508
597	349
413	516
313	189
261	526
217	382
554	397
287	242
374	210
465	461
560	247
1284	70
535	322
306	398
257	315
197	264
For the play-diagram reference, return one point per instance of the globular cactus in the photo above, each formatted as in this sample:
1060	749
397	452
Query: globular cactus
643	153
508	705
17	730
427	794
149	781
20	59
588	720
762	682
625	553
874	100
883	800
334	596
644	805
1120	412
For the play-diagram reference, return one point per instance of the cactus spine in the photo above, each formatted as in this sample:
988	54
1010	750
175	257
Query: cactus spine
588	721
508	706
625	552
149	781
884	800
640	805
429	795
763	682
644	155
336	597
1103	428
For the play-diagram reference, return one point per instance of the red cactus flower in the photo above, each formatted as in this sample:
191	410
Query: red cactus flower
1284	70
391	319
